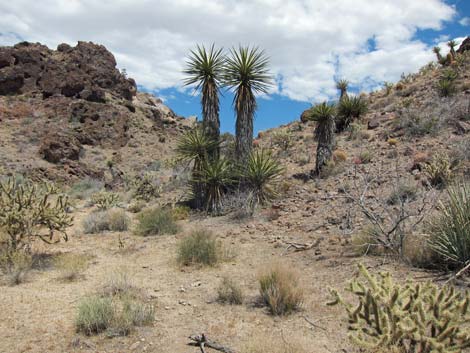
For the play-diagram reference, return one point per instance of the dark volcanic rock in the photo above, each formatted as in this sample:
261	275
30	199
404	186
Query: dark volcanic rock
85	71
57	147
465	46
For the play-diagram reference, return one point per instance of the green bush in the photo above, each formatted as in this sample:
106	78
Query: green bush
280	290
95	315
349	108
200	247
230	292
118	220
155	221
450	232
415	318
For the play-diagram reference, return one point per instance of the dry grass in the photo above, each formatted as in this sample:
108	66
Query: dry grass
155	221
71	266
118	282
276	343
115	220
95	315
15	266
229	292
199	248
281	290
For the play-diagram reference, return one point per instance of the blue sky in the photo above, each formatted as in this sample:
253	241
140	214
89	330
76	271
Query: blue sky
311	43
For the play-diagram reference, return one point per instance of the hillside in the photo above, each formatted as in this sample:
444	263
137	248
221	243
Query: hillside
89	125
64	113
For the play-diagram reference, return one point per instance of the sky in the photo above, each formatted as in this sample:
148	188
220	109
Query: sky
310	43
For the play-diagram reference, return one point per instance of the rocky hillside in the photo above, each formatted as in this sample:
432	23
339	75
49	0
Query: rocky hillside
64	113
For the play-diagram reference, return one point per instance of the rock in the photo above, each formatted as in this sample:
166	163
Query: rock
461	127
465	46
68	71
373	124
58	146
305	116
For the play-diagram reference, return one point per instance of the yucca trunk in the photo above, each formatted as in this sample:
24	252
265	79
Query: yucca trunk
343	94
245	108
326	144
210	113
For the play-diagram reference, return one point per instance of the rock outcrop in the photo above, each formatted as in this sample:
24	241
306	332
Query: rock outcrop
86	71
465	46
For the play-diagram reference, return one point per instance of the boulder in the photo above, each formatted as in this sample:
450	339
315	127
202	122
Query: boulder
57	147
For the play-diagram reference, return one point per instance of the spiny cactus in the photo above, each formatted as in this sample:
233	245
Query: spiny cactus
418	317
146	187
29	211
104	200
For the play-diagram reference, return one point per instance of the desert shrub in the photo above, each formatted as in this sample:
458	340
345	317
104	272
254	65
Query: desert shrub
445	87
180	212
402	193
95	315
95	223
238	203
439	170
332	168
416	123
388	86
261	175
137	206
282	139
146	187
15	265
229	292
117	219
118	282
415	317
450	231
392	141
83	189
365	242
280	290
137	314
357	132
364	157
339	156
104	200
200	247
30	211
70	266
302	159
155	221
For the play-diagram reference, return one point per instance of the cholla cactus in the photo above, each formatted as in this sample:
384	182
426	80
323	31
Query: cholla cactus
439	170
104	200
29	211
146	187
418	317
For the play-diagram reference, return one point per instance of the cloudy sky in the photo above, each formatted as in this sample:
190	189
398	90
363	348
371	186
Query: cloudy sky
310	42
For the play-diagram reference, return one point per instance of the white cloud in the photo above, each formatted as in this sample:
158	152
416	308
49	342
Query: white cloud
465	21
309	42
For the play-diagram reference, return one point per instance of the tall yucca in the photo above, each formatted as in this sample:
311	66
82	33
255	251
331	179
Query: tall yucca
437	51
324	115
204	69
247	73
196	146
342	85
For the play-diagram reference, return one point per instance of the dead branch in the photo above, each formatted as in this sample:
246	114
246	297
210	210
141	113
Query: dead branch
314	323
301	246
458	274
202	341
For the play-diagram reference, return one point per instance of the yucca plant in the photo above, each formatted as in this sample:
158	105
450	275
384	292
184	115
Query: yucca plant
260	174
349	109
324	115
437	51
204	70
452	44
342	85
215	177
445	87
195	147
247	73
450	232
